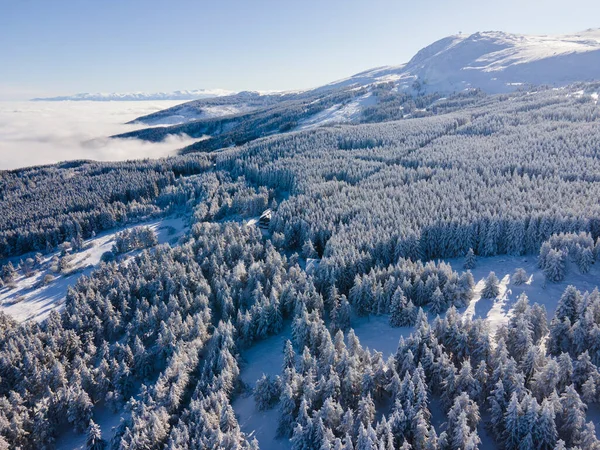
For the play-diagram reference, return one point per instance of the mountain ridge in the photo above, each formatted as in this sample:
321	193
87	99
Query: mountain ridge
494	61
193	94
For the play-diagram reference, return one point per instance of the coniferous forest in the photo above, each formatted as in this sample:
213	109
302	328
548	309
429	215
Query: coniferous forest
364	218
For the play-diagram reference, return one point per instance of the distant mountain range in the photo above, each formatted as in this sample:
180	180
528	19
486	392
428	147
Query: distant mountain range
140	96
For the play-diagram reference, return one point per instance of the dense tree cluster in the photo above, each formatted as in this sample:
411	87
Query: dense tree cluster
560	248
46	206
135	238
336	394
399	289
157	338
487	177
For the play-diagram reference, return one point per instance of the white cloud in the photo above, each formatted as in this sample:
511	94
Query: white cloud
33	133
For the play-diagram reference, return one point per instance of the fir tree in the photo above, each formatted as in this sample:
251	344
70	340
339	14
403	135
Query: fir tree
519	277
94	439
491	288
470	260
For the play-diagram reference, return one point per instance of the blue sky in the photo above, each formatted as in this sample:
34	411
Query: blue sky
52	47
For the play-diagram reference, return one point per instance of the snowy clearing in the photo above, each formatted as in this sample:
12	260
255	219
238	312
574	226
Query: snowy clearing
537	289
29	300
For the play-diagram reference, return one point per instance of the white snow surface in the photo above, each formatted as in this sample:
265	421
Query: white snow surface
497	311
27	301
341	113
266	357
495	62
188	114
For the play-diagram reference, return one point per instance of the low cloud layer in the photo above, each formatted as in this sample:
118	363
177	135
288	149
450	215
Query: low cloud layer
33	133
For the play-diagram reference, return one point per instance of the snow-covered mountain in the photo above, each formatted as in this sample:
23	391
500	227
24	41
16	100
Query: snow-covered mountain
137	96
493	61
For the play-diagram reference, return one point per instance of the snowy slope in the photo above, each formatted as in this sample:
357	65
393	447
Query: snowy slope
189	113
375	333
340	113
136	96
495	62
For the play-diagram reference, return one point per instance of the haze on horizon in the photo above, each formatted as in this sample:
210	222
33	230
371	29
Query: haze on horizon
65	47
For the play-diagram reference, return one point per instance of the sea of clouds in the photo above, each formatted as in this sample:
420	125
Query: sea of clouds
34	133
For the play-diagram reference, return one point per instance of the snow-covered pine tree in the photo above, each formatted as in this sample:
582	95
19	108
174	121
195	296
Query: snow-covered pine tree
437	303
470	260
554	266
519	277
491	288
94	439
398	305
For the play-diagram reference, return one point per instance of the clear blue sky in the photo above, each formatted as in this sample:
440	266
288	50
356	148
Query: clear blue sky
52	47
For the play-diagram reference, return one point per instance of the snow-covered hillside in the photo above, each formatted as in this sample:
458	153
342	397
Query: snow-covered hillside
137	96
494	61
188	113
34	297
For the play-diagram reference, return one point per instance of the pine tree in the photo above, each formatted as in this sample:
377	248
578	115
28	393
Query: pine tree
586	259
498	404
588	437
512	437
266	393
94	439
573	416
546	428
491	288
437	302
470	260
397	308
287	410
589	391
341	314
555	265
308	250
364	441
569	304
289	356
519	277
8	273
366	410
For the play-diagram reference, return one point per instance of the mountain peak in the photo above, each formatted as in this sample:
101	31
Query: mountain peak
495	61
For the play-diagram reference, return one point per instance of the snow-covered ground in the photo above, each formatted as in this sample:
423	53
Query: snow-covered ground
266	357
28	301
104	417
537	289
339	113
187	114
